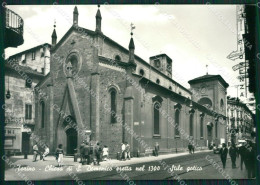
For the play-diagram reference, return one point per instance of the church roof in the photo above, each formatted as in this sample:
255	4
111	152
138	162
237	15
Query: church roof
208	77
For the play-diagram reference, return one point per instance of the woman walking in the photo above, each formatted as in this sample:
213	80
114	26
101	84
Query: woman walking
59	155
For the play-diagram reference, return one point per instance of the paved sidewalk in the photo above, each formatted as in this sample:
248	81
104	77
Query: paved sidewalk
69	160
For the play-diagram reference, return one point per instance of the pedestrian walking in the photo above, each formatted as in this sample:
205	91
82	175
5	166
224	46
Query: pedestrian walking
105	153
59	155
127	151
81	152
241	151
250	156
233	154
35	152
190	147
223	154
156	149
86	154
123	152
46	152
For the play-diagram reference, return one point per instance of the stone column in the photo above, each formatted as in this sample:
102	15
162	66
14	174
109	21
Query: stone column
51	125
94	97
129	118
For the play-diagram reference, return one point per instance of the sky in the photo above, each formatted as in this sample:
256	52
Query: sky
193	36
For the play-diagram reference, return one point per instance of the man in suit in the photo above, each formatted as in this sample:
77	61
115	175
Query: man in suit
81	151
223	154
233	155
250	156
86	154
241	152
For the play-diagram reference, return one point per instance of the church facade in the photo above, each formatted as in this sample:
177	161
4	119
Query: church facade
97	85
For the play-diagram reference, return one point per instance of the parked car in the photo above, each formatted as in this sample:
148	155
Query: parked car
216	149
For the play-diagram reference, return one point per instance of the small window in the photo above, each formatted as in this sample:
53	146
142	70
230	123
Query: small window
170	87
169	67
157	63
28	83
141	72
23	59
158	81
28	111
180	93
33	55
118	58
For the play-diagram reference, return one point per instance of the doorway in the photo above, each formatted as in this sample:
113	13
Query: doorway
72	140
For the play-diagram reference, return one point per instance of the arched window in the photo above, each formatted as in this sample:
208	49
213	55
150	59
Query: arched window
191	124
156	113
42	108
118	58
177	122
205	102
113	105
170	87
158	81
141	72
201	126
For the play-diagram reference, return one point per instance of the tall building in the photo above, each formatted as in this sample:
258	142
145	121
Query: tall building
23	71
97	86
240	121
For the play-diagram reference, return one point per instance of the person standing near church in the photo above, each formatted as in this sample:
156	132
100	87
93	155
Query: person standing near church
98	153
105	153
86	154
190	147
81	151
223	154
127	151
156	149
46	152
35	152
123	152
59	155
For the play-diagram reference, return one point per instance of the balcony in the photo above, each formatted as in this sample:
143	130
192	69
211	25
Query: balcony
13	29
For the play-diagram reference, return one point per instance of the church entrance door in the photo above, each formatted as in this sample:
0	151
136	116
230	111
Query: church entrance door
72	141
